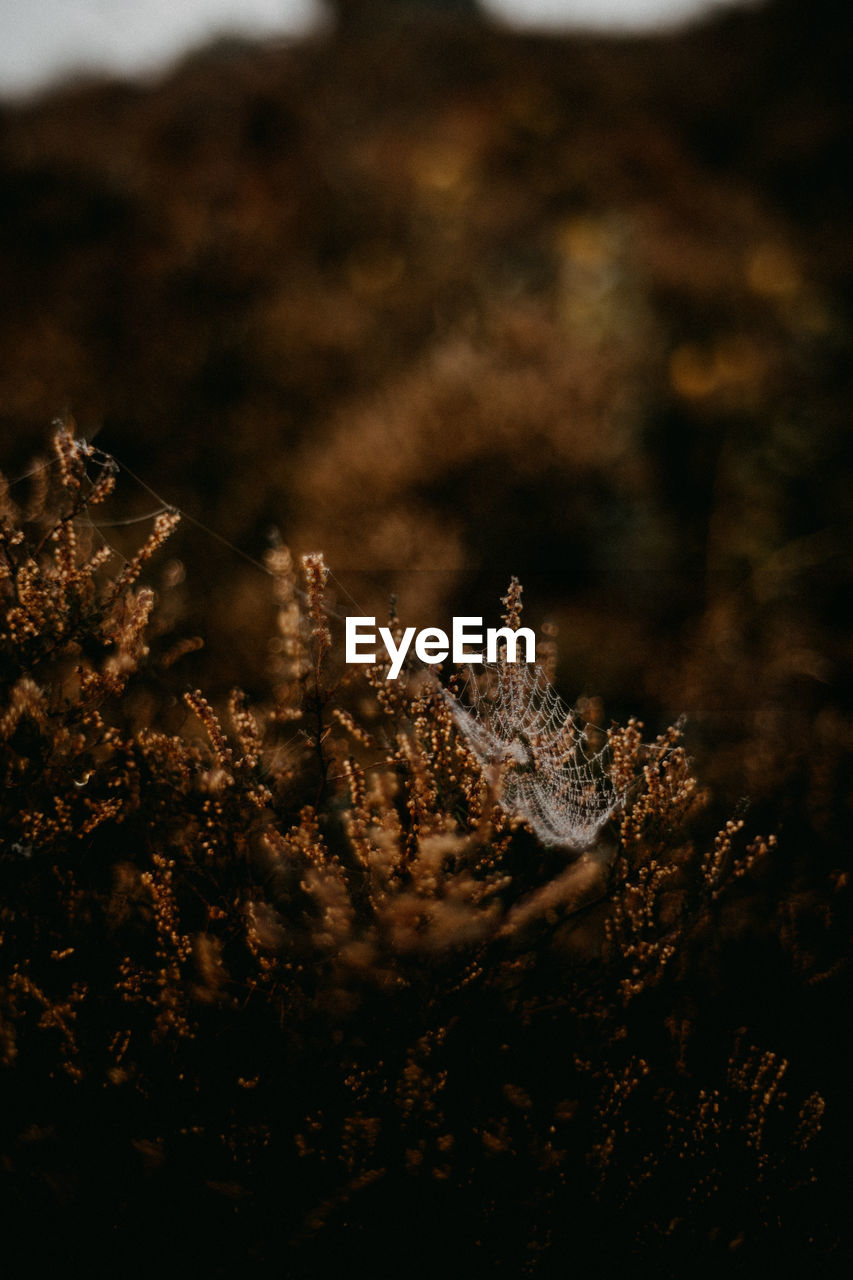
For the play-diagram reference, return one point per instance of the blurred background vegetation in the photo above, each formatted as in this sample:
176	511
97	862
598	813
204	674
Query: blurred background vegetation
450	303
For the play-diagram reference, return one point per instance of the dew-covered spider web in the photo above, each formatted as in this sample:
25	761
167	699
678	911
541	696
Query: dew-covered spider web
552	769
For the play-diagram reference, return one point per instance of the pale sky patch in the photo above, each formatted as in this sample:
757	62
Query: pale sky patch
43	40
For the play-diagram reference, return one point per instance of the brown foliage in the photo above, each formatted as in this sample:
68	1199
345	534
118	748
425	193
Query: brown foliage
325	977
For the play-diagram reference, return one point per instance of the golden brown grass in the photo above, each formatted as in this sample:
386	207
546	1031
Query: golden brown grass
287	974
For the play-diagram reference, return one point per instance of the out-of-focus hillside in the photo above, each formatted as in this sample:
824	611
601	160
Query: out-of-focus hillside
452	303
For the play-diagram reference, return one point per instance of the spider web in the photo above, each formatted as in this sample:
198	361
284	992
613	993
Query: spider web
553	770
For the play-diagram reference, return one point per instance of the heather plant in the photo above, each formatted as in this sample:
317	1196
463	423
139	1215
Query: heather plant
298	971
